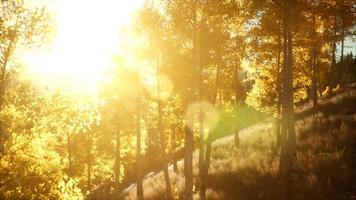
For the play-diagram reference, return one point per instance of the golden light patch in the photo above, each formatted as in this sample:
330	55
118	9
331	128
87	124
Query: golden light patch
208	111
87	36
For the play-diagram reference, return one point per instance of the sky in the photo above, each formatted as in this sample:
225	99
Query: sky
349	46
86	39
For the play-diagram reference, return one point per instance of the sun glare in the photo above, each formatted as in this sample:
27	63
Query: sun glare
87	36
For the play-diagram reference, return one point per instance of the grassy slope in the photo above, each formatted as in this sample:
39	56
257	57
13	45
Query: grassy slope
326	158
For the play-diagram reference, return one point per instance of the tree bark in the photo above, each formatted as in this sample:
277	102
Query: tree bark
117	163
236	87
333	57
342	33
3	78
289	139
207	161
289	91
209	140
279	92
162	140
283	170
201	138
188	162
89	163
201	154
69	154
138	141
314	66
89	176
173	148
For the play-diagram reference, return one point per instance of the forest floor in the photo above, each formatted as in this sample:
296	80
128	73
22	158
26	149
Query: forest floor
326	158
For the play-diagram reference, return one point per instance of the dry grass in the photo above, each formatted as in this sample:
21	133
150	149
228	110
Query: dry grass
225	159
326	160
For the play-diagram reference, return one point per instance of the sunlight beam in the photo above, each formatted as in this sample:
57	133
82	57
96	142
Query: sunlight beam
86	38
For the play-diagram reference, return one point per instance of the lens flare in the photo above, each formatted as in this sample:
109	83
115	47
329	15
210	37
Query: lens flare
208	111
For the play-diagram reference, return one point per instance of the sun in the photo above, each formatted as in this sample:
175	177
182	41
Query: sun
87	36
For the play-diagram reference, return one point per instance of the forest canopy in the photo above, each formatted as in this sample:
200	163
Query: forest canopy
96	96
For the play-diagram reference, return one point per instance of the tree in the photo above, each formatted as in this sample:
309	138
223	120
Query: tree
288	152
118	124
150	24
20	27
185	26
35	151
138	137
161	130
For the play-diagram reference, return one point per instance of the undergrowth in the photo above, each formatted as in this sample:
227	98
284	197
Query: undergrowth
326	160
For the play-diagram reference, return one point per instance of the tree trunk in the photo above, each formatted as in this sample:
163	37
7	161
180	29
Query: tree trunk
117	163
206	165
279	92
138	141
236	87
342	35
69	155
284	155
333	57
3	80
89	177
314	67
289	139
2	133
89	163
209	140
201	138
201	154
161	136
289	91
173	148
188	162
207	160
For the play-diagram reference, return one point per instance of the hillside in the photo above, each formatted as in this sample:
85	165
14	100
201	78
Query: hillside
326	158
179	99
